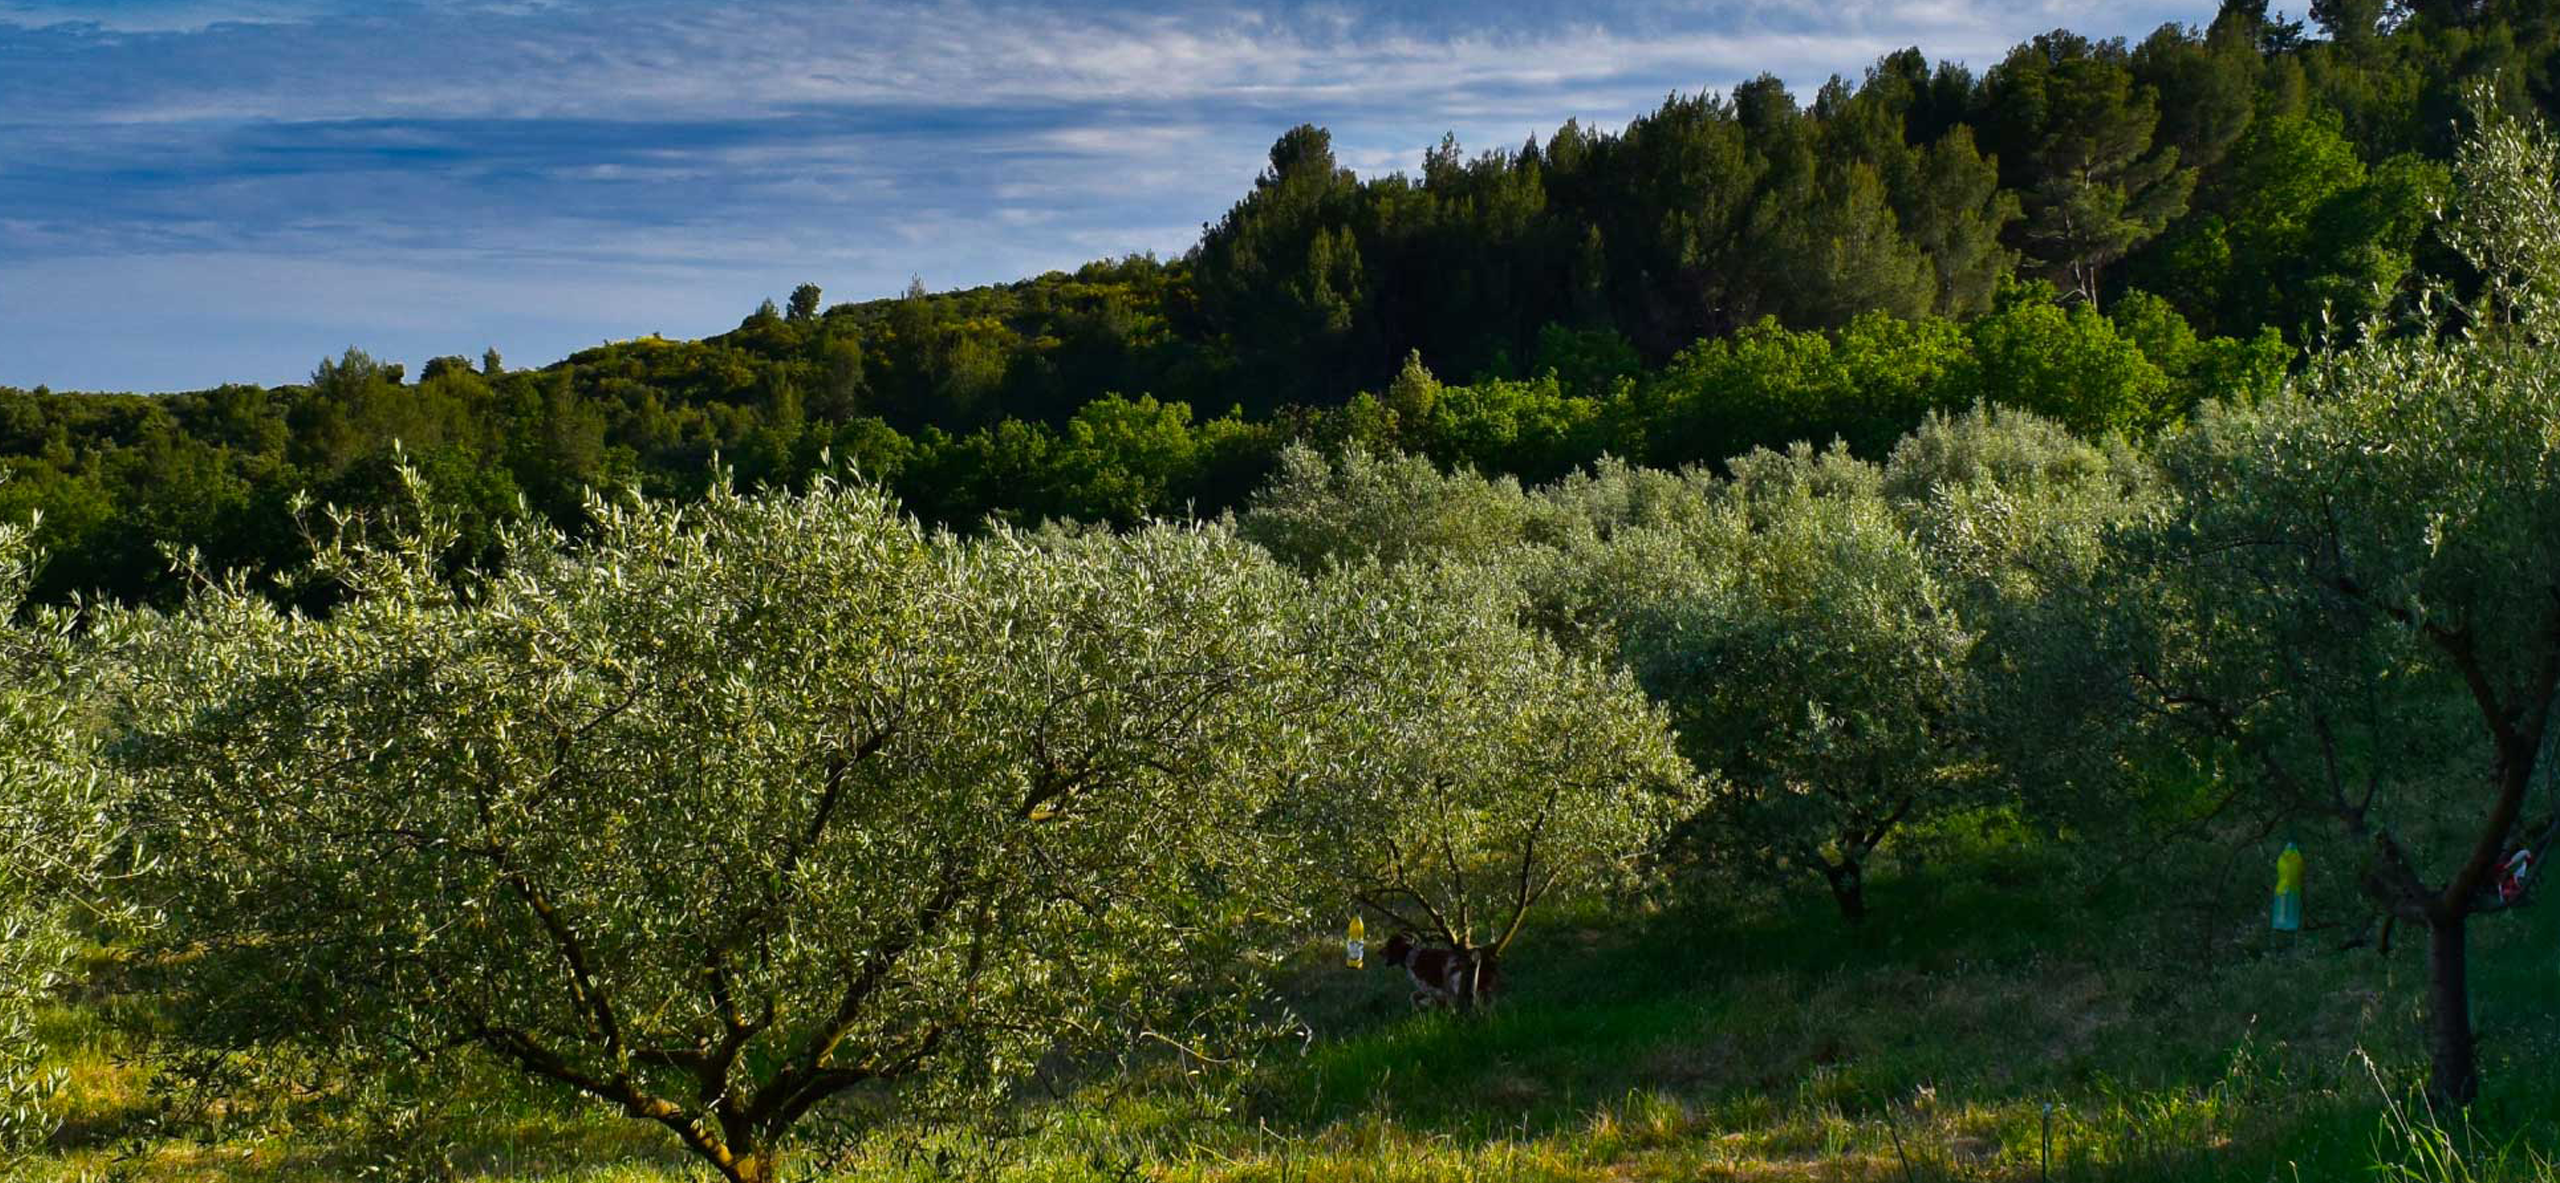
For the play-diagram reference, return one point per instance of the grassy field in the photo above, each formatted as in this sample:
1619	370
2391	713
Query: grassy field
2005	1015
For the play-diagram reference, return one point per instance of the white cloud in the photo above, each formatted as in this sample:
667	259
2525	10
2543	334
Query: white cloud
158	16
749	59
206	183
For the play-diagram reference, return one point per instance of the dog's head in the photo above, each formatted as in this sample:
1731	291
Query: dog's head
1399	949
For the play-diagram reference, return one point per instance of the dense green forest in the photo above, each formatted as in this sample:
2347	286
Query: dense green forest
2099	231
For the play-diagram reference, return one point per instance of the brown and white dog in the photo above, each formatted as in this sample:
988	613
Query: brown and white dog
1459	979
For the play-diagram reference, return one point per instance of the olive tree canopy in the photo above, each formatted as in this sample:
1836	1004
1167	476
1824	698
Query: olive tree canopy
1466	770
722	811
57	825
2360	598
1811	656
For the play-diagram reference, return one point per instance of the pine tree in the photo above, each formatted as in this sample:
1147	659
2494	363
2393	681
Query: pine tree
2076	134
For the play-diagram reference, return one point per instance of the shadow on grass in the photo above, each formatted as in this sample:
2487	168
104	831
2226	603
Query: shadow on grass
2173	1037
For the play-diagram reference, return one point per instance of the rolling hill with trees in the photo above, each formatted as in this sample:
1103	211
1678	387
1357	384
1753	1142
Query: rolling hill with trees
1824	611
2098	231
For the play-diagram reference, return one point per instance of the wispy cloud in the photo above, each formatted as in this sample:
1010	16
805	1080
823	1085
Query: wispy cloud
450	168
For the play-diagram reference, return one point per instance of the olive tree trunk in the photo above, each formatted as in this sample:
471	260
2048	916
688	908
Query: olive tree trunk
2454	1072
1848	881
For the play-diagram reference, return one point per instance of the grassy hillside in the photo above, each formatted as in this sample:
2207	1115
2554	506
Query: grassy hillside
2171	1035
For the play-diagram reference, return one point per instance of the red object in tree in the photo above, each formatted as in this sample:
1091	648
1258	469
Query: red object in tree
2511	878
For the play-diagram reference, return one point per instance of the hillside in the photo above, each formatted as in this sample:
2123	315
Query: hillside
1972	629
2166	218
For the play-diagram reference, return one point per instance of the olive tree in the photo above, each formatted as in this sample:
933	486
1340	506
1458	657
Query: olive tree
2015	517
1560	543
1466	770
2360	598
2010	506
1810	654
720	813
1321	509
57	827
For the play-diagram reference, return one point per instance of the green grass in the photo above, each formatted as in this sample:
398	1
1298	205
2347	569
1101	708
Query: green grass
2170	1035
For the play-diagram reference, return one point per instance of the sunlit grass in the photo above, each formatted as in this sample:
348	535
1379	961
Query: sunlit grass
1999	1020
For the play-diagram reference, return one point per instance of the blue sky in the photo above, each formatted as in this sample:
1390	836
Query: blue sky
199	191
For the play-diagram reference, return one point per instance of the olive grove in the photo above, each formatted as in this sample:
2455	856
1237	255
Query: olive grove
722	812
750	811
2358	598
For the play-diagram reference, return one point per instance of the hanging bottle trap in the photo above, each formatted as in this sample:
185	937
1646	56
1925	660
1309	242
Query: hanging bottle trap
2286	913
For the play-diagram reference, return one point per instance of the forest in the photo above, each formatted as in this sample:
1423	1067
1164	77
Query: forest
2099	232
1828	616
